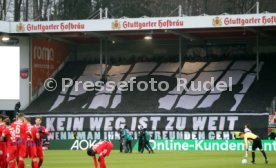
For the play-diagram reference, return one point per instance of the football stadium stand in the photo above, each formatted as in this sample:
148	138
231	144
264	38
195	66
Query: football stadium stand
246	90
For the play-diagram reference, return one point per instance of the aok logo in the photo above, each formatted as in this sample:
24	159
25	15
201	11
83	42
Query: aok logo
43	53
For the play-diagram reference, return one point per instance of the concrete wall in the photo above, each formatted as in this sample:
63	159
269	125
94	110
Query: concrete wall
24	83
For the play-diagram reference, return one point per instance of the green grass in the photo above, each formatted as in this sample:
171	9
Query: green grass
160	159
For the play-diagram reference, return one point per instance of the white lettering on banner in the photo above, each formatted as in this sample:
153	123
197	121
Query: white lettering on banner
172	123
60	124
232	121
214	127
199	122
187	135
155	121
44	53
109	135
221	123
211	135
69	124
78	124
81	135
95	123
169	126
212	123
180	123
218	135
133	123
108	123
157	135
50	123
111	123
143	122
120	123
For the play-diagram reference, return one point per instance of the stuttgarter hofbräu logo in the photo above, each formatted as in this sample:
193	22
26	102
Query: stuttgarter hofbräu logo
116	25
217	22
20	27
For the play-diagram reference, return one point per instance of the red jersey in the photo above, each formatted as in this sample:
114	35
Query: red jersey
20	131
10	135
2	144
31	149
32	131
2	127
103	149
3	149
42	131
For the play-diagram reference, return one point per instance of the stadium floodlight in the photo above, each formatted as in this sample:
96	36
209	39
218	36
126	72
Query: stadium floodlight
148	37
5	38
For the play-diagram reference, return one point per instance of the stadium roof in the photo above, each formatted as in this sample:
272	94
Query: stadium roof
190	27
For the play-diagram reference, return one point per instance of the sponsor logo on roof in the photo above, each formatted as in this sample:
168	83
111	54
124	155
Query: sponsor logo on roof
116	25
217	22
20	27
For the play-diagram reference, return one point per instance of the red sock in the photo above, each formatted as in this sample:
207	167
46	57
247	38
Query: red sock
21	164
12	164
40	162
35	164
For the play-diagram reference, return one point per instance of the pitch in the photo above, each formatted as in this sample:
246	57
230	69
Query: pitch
160	159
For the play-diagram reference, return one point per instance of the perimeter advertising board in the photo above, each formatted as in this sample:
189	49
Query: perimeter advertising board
172	145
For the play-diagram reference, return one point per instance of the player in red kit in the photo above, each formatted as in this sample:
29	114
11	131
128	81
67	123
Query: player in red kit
21	137
3	158
9	136
32	135
42	131
103	149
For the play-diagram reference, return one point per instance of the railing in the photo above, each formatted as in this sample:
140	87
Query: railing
273	106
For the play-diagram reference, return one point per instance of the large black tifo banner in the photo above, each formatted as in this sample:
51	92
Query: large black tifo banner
160	126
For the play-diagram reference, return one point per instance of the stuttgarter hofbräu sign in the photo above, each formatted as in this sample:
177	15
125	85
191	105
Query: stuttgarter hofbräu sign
164	23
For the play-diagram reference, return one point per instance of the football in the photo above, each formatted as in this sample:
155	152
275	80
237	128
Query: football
244	161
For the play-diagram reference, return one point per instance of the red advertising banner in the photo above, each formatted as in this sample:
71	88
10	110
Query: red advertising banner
47	56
